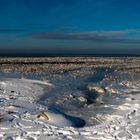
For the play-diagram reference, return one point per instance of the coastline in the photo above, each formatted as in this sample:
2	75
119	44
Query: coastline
62	64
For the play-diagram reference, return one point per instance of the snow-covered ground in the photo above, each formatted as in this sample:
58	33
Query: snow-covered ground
24	116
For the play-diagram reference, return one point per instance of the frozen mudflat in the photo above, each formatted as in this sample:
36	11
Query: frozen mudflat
20	106
100	104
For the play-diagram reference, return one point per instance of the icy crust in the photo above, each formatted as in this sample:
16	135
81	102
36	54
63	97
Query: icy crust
19	109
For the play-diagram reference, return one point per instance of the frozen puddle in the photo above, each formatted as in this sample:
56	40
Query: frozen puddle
23	116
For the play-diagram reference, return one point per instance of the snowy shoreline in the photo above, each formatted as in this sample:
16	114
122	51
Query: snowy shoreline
19	109
61	64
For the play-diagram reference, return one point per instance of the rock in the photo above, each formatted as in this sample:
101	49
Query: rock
72	96
125	84
97	89
111	90
42	116
96	93
59	102
82	99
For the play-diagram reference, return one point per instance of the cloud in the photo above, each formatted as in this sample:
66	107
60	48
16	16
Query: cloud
64	28
10	30
97	36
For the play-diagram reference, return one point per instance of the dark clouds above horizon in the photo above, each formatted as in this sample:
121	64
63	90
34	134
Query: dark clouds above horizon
102	36
110	26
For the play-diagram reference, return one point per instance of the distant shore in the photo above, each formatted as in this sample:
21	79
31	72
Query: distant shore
63	64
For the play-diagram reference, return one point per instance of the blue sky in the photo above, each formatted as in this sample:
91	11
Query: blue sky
70	26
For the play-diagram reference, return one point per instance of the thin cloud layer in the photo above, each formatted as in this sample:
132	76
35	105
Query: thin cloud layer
62	24
10	30
97	36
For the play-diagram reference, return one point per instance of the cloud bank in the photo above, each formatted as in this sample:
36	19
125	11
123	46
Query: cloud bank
97	36
10	30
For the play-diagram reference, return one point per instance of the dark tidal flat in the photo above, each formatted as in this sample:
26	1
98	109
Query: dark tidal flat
65	64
